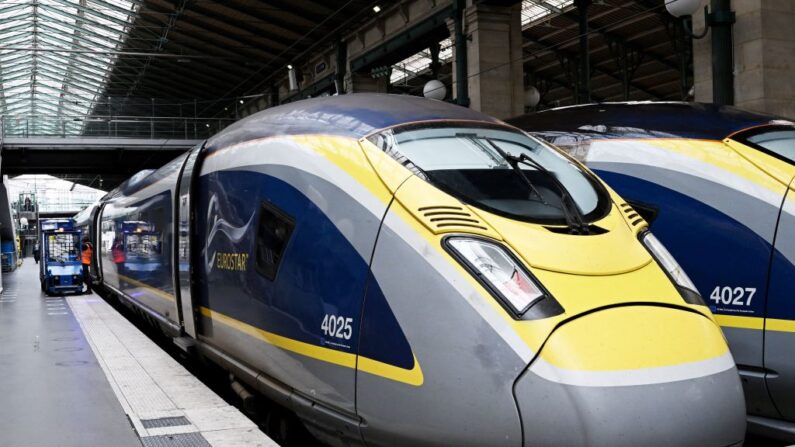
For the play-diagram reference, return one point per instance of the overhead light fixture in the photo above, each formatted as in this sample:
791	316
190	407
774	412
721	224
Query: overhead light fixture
289	67
376	9
207	125
241	101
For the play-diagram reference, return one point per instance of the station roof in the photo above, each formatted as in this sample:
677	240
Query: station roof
61	60
55	59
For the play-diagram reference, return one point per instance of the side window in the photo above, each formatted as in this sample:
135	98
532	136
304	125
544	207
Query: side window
273	234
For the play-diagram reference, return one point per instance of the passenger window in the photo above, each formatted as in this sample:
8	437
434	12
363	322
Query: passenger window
273	234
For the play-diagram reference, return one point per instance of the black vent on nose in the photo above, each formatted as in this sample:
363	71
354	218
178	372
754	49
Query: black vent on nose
634	218
450	218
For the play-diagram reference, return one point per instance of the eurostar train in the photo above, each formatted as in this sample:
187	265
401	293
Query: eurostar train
401	271
716	185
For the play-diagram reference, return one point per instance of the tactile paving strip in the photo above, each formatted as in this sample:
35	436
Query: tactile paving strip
165	422
180	440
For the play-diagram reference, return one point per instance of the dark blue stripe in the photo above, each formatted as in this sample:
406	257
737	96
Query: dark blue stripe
321	272
714	249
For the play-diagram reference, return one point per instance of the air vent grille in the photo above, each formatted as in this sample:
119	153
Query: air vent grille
632	216
448	219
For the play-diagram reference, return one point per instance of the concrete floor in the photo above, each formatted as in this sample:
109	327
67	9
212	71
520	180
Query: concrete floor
74	372
52	390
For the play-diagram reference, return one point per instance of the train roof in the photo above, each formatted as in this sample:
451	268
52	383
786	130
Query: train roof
354	115
646	119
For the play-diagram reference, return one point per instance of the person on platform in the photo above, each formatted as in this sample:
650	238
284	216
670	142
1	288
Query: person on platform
86	252
36	252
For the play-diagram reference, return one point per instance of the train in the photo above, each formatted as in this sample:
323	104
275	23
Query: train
402	271
717	186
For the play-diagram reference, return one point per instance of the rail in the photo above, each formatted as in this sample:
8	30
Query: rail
110	126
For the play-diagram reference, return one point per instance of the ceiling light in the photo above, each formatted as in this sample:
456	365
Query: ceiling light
289	67
376	9
241	101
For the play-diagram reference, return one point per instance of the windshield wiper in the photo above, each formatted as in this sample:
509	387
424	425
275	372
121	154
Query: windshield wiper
573	215
518	171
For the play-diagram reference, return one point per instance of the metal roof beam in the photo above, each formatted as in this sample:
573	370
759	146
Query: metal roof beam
83	30
68	72
109	5
174	75
17	7
18	38
613	36
82	39
93	12
202	29
83	68
53	77
594	67
549	7
271	28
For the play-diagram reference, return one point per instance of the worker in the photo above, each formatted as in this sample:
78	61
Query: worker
87	251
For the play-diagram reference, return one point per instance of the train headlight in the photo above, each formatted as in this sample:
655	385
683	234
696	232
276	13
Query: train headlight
663	257
498	271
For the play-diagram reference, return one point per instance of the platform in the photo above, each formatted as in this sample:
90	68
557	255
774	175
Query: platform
74	372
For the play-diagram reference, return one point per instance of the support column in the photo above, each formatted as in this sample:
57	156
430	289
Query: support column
764	57
584	87
494	68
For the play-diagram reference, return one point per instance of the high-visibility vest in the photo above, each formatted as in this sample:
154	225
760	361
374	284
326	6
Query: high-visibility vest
87	253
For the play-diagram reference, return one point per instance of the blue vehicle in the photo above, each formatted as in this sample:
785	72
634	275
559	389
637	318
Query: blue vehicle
60	269
717	186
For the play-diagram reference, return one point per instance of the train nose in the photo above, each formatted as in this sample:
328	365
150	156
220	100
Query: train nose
633	376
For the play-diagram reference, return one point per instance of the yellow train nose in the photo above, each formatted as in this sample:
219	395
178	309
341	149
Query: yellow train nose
633	375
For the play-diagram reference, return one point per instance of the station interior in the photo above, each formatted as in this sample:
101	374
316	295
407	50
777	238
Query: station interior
407	222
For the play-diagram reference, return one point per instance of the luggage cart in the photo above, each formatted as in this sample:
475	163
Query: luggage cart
60	269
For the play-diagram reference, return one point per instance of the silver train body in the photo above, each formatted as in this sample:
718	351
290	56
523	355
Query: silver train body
293	252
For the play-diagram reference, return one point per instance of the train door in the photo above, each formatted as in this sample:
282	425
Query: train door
182	253
95	235
780	320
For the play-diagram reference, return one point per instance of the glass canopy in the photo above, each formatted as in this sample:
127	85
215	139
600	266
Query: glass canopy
532	12
55	58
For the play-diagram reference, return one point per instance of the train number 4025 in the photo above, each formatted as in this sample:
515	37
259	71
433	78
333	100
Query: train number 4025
735	296
339	327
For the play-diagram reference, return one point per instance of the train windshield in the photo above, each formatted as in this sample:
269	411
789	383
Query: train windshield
778	141
499	170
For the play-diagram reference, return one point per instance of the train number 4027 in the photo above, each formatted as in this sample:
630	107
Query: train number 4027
339	327
735	296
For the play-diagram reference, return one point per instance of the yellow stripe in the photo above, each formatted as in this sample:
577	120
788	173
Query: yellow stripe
154	290
758	323
773	324
413	376
740	322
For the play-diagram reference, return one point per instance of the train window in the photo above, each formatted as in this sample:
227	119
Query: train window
781	142
273	234
776	140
